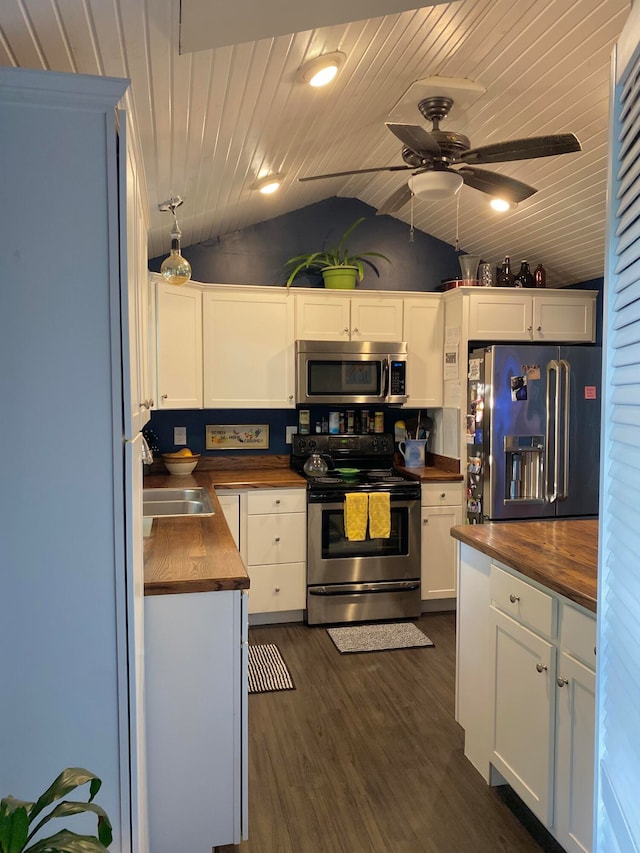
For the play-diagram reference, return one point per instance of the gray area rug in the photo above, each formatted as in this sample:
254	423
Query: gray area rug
267	670
378	638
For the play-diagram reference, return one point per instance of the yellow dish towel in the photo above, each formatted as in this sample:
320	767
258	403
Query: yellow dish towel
379	515
355	516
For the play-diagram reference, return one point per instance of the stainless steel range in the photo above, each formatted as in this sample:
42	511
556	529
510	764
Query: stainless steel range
356	581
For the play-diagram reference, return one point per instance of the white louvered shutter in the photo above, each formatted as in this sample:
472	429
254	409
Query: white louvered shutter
618	652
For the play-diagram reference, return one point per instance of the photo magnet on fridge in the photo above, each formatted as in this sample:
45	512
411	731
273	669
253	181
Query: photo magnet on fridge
518	388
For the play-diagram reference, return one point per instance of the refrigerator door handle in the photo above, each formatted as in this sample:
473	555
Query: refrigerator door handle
566	372
551	494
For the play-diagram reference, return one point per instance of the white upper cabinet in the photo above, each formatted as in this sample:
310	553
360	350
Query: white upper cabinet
512	314
423	333
179	346
248	337
330	316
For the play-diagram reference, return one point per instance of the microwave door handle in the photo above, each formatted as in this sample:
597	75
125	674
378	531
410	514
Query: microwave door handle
386	372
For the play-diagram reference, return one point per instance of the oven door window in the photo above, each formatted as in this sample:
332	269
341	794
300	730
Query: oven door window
335	544
344	378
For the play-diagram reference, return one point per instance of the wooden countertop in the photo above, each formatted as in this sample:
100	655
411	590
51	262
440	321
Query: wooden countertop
561	555
191	554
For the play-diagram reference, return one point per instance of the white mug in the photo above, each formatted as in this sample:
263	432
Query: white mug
413	452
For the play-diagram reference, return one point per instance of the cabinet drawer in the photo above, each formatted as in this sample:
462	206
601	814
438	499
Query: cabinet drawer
276	500
523	602
441	494
578	635
276	539
275	588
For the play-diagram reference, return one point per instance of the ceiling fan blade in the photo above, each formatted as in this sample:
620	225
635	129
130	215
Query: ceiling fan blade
416	138
494	184
521	149
357	172
395	201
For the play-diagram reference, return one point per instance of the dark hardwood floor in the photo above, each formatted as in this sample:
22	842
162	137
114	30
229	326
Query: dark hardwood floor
365	755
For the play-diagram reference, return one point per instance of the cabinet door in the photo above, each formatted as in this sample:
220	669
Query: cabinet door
376	319
230	505
248	349
179	346
523	707
569	318
322	317
423	332
575	754
500	316
439	551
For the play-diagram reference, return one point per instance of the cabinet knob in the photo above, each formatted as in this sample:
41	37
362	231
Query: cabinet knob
425	521
152	403
277	539
513	598
443	494
356	331
276	589
345	331
164	397
539	329
560	681
541	667
277	501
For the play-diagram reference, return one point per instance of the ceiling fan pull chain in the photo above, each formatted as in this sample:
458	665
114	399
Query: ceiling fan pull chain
411	231
457	223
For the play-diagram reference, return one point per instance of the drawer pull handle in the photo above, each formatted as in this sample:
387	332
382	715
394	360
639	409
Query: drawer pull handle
560	681
513	598
541	667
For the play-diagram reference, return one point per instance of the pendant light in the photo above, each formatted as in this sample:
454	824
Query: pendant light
175	269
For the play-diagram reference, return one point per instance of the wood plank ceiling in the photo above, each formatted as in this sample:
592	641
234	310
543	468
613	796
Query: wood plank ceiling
211	121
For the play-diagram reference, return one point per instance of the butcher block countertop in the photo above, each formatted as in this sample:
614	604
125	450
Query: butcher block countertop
561	555
198	554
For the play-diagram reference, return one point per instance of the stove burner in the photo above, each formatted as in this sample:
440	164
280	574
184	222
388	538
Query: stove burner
390	478
325	480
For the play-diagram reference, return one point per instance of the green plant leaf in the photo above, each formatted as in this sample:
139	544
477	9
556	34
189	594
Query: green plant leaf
14	825
67	781
67	842
69	807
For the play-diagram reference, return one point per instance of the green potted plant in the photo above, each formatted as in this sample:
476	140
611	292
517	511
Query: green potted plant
18	819
338	266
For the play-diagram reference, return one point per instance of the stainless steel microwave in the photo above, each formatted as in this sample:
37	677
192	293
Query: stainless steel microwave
346	372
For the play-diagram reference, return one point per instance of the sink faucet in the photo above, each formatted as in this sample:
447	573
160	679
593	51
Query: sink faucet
147	455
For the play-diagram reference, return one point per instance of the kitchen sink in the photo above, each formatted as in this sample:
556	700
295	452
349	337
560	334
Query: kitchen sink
162	503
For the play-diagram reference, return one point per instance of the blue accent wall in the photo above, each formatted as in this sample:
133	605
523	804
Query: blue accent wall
257	255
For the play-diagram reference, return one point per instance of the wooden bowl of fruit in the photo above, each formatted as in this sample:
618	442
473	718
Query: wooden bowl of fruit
181	462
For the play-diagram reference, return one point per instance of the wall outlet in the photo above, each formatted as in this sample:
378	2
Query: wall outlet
290	431
179	435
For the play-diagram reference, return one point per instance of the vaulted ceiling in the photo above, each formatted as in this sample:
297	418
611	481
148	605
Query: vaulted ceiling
209	121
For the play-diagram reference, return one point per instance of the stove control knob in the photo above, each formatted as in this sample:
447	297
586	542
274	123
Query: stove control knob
312	444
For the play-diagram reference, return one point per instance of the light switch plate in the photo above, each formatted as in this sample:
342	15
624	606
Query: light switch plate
290	432
179	435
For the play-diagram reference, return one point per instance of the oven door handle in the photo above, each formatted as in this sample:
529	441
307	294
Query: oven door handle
364	588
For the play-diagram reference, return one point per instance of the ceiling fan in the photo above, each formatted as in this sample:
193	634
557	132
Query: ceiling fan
445	152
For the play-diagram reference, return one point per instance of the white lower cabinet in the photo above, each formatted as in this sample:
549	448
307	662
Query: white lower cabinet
276	549
441	510
525	693
196	702
230	505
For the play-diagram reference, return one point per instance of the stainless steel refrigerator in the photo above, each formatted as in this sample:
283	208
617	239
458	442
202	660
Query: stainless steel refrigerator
533	432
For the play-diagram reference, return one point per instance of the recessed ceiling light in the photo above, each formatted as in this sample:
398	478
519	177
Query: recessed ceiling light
268	184
502	205
322	69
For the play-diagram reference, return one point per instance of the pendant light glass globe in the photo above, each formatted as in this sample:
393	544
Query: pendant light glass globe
175	269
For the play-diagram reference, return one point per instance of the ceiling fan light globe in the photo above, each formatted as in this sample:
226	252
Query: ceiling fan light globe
501	205
435	184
